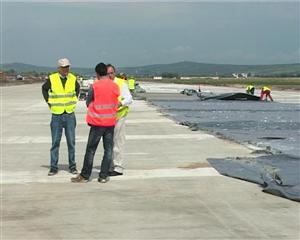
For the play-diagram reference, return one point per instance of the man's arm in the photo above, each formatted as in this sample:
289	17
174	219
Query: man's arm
126	95
45	89
90	96
77	88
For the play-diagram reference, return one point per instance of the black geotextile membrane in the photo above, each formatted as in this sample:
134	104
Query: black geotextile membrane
231	96
271	125
278	174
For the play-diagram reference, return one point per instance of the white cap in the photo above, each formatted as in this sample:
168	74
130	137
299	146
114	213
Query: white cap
63	62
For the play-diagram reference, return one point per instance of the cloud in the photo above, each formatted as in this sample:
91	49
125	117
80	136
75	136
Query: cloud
181	49
140	1
141	34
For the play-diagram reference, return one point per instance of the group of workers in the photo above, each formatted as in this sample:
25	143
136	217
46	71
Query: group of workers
107	103
264	94
130	82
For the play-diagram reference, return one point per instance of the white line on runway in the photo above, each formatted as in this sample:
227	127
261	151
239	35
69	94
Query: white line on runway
23	177
137	153
128	121
162	120
32	140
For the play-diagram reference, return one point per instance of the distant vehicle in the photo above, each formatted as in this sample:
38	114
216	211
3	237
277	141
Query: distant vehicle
85	85
244	75
19	77
82	95
189	92
240	75
139	89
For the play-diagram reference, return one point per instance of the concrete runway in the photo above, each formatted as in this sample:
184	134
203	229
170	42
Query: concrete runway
169	191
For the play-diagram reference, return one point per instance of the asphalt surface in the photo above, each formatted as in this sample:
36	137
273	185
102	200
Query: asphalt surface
168	191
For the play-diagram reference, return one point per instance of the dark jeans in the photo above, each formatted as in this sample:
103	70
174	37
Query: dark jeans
94	138
58	122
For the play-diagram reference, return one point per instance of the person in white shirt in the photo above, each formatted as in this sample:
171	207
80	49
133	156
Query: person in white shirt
117	166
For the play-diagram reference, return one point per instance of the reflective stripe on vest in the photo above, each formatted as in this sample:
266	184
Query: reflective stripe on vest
63	104
123	110
95	115
62	99
62	95
106	106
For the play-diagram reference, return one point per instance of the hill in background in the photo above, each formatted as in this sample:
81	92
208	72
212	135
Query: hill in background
181	68
204	69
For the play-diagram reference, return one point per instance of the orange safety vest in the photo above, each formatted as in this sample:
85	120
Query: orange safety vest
102	111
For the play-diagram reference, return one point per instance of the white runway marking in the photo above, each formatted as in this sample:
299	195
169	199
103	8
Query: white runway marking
24	177
170	136
137	153
33	140
128	121
162	120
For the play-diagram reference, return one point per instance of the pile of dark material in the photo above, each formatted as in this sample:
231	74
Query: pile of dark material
229	96
239	96
272	126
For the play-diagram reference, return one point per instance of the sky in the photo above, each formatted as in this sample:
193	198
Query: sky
138	33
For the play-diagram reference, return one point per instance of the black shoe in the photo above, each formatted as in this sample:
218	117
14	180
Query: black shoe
115	173
103	180
52	172
74	171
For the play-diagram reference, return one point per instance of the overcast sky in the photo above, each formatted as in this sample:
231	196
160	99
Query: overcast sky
141	33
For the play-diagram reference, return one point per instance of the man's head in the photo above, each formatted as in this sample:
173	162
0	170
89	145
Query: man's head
101	70
123	76
63	65
111	71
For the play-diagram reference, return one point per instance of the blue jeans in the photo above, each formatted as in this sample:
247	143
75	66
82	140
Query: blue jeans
58	122
94	138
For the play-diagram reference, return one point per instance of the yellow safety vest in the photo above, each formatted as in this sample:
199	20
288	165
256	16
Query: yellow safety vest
266	88
123	110
62	99
131	84
249	87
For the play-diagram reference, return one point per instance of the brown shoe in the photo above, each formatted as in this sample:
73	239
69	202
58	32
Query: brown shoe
79	179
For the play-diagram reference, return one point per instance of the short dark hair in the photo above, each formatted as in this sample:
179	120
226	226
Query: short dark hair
110	65
101	69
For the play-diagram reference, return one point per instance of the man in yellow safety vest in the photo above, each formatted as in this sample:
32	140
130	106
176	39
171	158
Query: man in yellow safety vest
250	89
266	91
131	85
60	92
